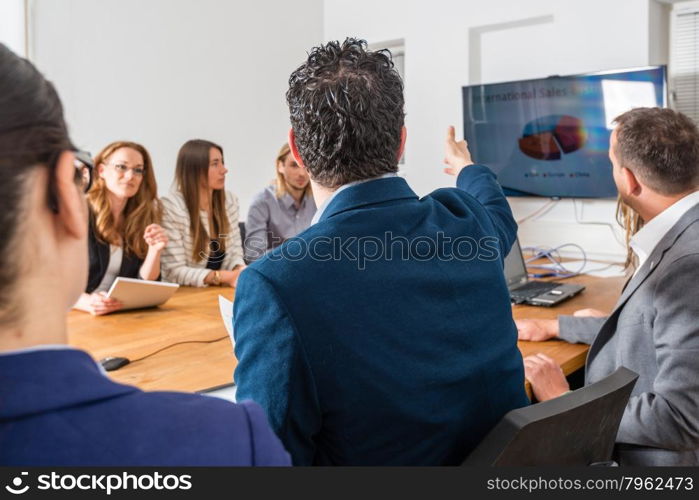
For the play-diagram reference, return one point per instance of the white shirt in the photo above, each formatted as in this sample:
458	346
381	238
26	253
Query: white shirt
116	255
176	262
322	208
647	238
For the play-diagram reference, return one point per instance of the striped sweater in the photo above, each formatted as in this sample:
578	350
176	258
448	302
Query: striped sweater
176	261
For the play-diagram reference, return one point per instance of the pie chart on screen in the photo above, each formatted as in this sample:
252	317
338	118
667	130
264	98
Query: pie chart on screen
550	137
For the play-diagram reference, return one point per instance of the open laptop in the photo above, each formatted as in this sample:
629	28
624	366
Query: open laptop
536	293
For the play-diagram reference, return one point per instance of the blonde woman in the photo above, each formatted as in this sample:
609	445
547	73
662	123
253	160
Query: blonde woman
125	237
280	211
201	220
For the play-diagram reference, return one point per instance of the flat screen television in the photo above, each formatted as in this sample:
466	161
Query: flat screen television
550	137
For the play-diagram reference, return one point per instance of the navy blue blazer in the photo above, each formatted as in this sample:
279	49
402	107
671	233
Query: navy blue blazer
401	355
57	408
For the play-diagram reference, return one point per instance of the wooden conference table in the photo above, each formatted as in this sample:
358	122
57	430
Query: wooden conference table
193	315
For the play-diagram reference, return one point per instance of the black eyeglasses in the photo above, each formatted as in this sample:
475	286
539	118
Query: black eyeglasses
83	170
83	175
121	169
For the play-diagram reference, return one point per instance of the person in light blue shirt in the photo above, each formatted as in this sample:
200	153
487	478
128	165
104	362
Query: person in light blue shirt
282	210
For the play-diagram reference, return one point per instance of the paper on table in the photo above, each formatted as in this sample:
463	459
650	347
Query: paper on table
226	307
597	269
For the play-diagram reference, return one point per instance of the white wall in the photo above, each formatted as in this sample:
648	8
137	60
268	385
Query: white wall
12	25
565	37
161	72
164	71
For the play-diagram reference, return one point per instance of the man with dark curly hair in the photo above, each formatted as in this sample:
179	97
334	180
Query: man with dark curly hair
383	334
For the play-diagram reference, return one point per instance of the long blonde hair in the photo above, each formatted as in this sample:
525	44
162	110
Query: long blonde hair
279	182
141	210
629	219
193	167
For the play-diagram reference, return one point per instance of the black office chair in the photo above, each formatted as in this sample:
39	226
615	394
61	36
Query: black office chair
241	226
578	428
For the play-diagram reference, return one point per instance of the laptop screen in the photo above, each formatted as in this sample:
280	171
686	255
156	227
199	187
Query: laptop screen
515	270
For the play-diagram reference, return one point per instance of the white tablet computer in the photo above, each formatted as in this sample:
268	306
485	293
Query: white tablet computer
136	294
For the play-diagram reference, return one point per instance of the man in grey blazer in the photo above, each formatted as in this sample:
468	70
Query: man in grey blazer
654	327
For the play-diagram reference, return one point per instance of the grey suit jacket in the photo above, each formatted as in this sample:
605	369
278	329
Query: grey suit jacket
654	331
